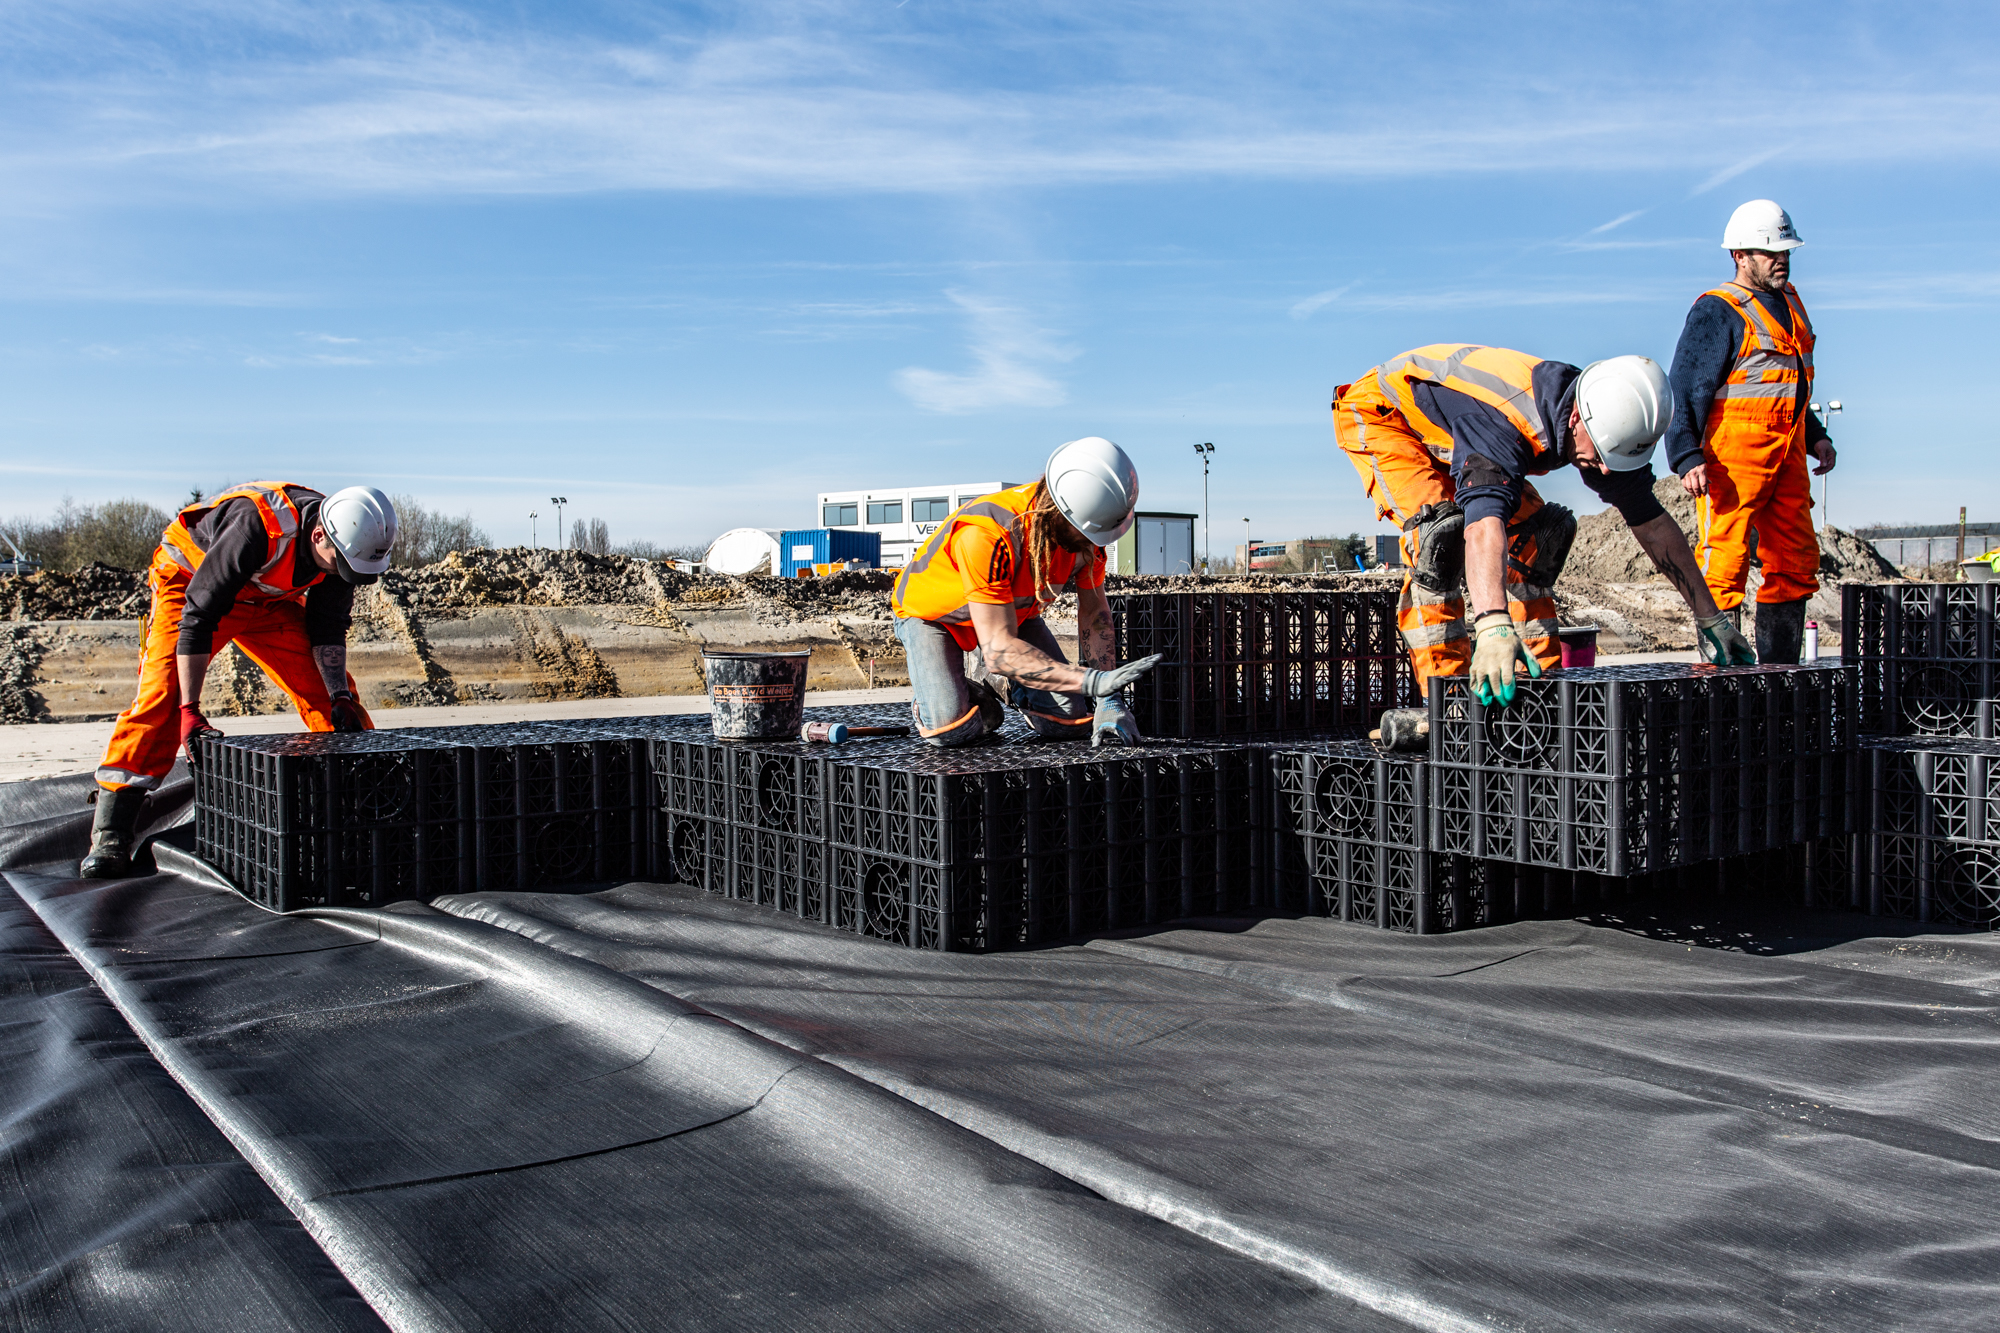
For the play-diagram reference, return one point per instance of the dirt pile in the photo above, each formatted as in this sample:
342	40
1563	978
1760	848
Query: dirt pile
1606	551
95	592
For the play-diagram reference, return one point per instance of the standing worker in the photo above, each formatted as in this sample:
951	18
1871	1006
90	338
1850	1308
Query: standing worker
249	568
978	587
1445	438
1743	373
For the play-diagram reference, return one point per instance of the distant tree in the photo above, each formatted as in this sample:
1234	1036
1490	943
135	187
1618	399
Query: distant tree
638	550
424	537
120	533
599	540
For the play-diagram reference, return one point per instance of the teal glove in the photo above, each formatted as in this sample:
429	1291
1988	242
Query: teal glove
1113	724
1495	650
1722	644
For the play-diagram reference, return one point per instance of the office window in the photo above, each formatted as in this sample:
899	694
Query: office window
887	511
931	509
839	516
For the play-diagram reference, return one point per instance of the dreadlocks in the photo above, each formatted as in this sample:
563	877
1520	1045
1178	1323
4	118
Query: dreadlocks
1040	529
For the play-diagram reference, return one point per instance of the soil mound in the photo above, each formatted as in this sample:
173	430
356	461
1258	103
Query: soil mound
95	592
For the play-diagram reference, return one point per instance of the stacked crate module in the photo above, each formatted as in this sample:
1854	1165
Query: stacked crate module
1928	654
975	848
322	820
1264	664
1626	771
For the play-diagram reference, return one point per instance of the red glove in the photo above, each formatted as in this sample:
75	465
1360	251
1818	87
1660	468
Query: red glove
194	727
346	712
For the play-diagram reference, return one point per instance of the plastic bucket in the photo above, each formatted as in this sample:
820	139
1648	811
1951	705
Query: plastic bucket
755	696
1976	571
1579	645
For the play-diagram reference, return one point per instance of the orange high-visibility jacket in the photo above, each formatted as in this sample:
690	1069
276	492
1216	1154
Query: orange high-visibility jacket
980	554
1502	379
276	580
1757	406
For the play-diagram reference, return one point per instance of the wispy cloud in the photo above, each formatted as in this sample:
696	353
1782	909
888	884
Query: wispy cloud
1318	300
1615	223
1006	350
1735	169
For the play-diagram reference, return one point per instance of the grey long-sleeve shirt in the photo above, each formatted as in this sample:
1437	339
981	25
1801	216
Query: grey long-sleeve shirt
1702	359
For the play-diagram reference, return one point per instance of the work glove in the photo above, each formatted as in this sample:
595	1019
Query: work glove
1103	684
1495	649
194	727
346	712
1722	644
1113	724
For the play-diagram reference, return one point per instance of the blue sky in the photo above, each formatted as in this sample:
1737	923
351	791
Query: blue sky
689	264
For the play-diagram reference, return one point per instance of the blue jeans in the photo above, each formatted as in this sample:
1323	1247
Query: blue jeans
955	700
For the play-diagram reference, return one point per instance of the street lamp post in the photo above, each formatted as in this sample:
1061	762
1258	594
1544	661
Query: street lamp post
1832	408
559	501
534	535
1206	451
1246	548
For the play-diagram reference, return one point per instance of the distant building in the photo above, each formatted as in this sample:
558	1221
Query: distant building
1294	557
903	515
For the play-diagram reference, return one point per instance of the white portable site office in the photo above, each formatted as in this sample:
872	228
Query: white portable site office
904	515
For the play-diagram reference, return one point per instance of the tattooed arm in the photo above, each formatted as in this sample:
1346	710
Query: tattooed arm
332	660
1097	638
1009	655
1664	544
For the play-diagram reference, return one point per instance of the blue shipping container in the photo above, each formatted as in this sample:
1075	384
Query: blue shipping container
824	546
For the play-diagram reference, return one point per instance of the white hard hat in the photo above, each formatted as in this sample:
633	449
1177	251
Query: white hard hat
1626	405
361	524
1760	225
1095	486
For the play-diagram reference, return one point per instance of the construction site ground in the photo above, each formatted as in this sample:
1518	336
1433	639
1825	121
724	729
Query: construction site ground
519	627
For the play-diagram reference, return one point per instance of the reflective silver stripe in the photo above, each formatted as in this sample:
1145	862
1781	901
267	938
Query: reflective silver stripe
1522	399
1528	592
118	777
1387	496
1750	310
921	561
178	556
1433	636
1786	389
1759	365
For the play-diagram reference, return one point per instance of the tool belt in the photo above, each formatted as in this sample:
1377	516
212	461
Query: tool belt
1440	533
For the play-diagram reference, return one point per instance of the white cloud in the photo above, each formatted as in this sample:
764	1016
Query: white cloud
1304	309
1731	172
1618	221
1005	349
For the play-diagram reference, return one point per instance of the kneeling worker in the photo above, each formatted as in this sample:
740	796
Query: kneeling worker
1445	438
249	567
979	584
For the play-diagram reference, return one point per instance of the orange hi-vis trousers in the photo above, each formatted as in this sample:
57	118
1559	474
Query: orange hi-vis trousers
272	634
1402	475
1757	481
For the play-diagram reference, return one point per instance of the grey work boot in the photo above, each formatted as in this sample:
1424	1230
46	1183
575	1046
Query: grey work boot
1781	632
114	835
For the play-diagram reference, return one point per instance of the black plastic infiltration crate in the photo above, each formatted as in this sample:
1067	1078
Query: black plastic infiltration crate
1264	664
1626	771
1930	845
975	848
1929	656
335	820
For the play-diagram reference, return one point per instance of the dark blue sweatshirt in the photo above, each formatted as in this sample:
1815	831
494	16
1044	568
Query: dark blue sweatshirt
1702	359
1490	457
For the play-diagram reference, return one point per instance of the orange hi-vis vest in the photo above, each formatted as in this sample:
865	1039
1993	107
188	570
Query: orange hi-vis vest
1495	376
1758	404
980	554
275	580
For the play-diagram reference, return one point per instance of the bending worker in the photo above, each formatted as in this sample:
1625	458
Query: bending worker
979	584
1743	374
249	567
1445	438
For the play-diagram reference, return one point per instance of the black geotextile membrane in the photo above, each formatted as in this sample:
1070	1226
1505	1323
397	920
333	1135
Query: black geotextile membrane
121	1204
1543	1125
648	1108
486	1133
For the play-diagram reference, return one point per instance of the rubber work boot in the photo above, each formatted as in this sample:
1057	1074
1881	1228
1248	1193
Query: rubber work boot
114	835
1781	632
1405	729
991	711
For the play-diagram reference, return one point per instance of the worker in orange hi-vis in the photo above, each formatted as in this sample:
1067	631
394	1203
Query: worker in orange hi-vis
969	606
1445	438
250	567
1743	373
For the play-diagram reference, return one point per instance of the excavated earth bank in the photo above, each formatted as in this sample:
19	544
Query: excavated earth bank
519	624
